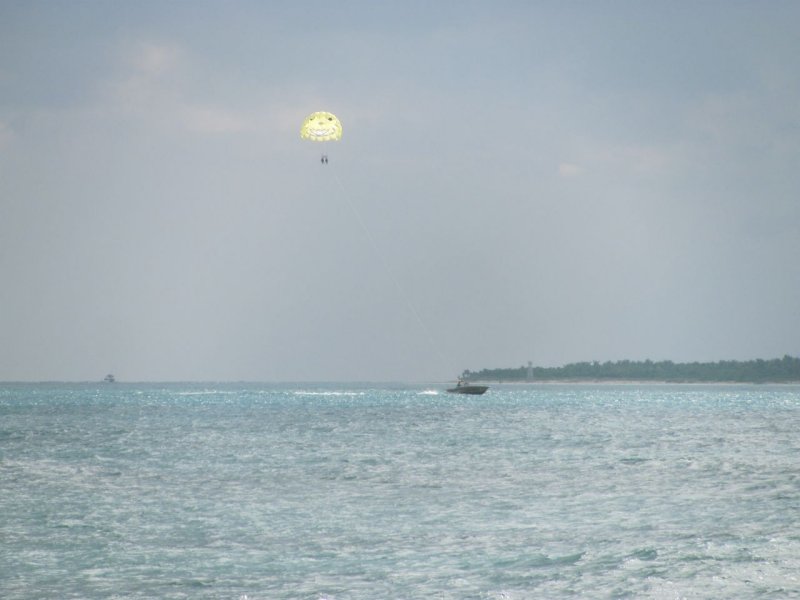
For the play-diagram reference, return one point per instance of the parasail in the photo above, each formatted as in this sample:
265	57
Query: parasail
321	127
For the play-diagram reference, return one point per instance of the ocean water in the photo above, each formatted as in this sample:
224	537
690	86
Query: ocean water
335	492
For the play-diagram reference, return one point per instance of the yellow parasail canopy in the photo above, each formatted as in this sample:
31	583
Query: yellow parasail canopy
321	127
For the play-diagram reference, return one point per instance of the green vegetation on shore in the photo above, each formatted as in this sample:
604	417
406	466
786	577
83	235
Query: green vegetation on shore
779	370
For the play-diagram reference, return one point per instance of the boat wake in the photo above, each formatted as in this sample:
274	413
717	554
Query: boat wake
305	393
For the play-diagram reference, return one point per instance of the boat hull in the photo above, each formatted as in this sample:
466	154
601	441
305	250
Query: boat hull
475	390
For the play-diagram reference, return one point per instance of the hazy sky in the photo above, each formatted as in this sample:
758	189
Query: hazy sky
545	181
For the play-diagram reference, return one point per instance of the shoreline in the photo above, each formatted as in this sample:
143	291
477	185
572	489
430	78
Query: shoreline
624	382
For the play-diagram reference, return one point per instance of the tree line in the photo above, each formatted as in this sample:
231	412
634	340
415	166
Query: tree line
779	370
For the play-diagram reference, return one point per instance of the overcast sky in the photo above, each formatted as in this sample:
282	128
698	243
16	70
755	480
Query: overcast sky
544	181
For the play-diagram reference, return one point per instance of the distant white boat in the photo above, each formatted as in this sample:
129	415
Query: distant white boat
109	378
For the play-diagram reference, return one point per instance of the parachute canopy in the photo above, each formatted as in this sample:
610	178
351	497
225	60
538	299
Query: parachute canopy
321	127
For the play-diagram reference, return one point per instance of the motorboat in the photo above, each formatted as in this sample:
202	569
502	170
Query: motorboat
462	387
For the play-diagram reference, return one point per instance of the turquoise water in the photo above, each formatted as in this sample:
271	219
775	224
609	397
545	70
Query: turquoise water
352	492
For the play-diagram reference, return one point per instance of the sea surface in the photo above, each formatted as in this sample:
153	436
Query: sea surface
336	492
